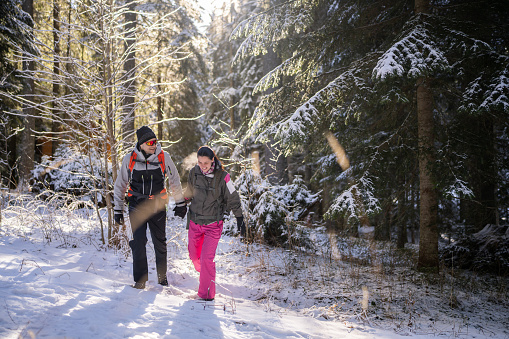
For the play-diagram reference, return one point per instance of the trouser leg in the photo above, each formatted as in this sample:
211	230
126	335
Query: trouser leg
157	226
195	243
138	247
212	234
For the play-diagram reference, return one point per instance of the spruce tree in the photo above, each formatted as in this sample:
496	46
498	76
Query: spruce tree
381	77
15	33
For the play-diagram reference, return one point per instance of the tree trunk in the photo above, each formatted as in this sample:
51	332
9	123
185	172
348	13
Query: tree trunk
109	138
160	104
55	124
428	230
402	221
481	210
27	137
12	145
275	162
129	72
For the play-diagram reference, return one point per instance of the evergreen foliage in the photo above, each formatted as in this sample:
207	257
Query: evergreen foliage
350	67
71	173
230	100
14	34
274	211
486	251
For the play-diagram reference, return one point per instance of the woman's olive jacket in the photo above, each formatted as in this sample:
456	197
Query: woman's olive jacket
211	196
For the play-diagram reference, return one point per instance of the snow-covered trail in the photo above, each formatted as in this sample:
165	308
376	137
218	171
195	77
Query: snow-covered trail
83	292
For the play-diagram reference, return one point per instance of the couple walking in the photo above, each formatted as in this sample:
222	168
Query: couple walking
210	193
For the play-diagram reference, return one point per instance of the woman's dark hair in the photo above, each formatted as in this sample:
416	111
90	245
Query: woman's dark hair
206	151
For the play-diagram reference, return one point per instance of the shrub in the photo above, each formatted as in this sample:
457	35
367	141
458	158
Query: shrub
70	172
274	211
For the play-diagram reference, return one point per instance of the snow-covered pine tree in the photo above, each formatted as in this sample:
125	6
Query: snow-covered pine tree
482	104
354	72
179	78
14	33
444	48
324	82
230	101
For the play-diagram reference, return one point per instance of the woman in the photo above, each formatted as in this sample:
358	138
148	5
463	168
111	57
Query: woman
212	193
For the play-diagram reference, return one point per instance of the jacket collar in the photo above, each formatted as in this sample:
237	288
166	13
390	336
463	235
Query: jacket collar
198	171
152	157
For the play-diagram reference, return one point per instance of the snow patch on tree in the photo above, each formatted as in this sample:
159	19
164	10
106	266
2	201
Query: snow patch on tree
70	172
274	210
277	24
459	188
479	98
415	54
356	201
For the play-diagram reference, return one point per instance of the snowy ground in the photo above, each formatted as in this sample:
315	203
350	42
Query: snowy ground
57	280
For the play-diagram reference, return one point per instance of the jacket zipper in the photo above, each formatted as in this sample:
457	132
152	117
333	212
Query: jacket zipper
143	177
206	192
151	182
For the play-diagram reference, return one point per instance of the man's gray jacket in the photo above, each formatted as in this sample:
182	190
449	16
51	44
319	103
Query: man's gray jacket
146	180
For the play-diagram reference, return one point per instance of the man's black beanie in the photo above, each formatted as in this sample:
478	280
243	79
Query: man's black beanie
144	134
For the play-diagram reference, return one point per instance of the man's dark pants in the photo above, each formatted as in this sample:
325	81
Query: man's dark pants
157	226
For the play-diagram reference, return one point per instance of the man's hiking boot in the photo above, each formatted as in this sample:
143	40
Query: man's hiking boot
163	282
139	285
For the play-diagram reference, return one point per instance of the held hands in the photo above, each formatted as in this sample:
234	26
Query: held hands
119	218
180	211
241	226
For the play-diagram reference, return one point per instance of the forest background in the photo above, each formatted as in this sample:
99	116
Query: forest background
378	119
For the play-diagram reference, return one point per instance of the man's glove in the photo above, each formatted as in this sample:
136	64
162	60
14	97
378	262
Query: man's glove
241	226
119	218
180	211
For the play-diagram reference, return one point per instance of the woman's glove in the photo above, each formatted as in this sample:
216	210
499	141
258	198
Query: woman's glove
180	211
241	226
119	218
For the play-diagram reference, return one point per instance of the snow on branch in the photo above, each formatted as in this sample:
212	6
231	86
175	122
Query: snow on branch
261	123
488	92
328	99
356	201
267	28
289	67
415	54
459	188
497	95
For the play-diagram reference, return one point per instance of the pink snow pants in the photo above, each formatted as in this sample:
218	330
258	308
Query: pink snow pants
203	240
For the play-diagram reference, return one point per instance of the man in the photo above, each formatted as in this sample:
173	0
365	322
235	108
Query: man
143	173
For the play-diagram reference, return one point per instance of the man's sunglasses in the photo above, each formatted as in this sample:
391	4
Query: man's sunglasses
151	142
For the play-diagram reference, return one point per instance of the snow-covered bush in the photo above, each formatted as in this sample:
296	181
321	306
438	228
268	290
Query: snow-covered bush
274	211
71	172
486	251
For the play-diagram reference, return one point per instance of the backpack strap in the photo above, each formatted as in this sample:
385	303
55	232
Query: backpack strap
194	176
132	161
160	157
